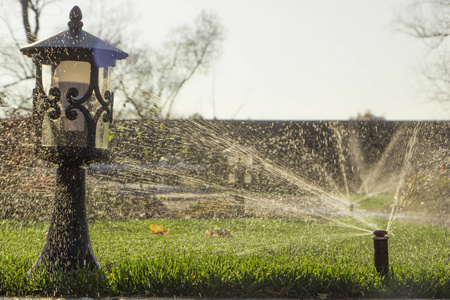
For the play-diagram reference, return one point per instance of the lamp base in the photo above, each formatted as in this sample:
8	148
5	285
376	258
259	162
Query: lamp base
68	246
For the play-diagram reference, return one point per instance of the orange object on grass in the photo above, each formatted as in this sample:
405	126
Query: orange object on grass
158	230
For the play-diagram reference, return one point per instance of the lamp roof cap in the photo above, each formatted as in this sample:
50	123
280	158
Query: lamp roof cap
74	39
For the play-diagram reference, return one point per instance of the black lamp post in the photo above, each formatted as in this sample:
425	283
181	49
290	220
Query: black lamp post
72	111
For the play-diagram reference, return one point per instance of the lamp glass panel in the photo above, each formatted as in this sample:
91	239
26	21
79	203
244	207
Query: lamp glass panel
102	134
104	81
46	78
49	127
63	131
50	131
102	128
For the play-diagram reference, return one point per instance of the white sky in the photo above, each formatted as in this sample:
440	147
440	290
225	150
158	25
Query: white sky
292	59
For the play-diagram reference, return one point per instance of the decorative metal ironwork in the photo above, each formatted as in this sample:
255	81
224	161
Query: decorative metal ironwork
52	100
75	45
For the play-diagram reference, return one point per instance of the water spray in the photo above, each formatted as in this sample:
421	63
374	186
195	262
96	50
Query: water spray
380	243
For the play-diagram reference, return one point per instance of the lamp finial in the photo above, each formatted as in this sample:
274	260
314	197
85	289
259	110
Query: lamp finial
75	16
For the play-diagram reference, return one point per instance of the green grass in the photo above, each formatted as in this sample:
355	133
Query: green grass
375	202
266	258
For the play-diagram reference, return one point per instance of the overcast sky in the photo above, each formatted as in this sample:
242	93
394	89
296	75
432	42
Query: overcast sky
293	59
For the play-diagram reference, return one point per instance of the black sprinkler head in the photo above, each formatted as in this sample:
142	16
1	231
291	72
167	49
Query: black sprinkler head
381	255
380	233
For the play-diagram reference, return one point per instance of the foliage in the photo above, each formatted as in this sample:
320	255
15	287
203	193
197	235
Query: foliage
367	116
266	258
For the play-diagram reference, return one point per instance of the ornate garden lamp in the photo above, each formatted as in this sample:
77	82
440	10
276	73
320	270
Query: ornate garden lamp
72	111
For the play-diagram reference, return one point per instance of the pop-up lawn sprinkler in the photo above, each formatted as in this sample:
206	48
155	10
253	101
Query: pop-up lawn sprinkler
380	243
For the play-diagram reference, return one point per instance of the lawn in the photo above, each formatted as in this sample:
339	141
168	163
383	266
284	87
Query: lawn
265	258
376	202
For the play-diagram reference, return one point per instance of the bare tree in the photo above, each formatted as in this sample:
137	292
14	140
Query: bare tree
147	84
154	77
15	69
429	21
134	84
188	50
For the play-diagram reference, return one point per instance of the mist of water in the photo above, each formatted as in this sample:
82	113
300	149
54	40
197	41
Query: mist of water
323	170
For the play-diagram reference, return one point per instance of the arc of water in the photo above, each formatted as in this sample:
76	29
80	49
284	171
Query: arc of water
406	168
334	202
374	173
341	156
